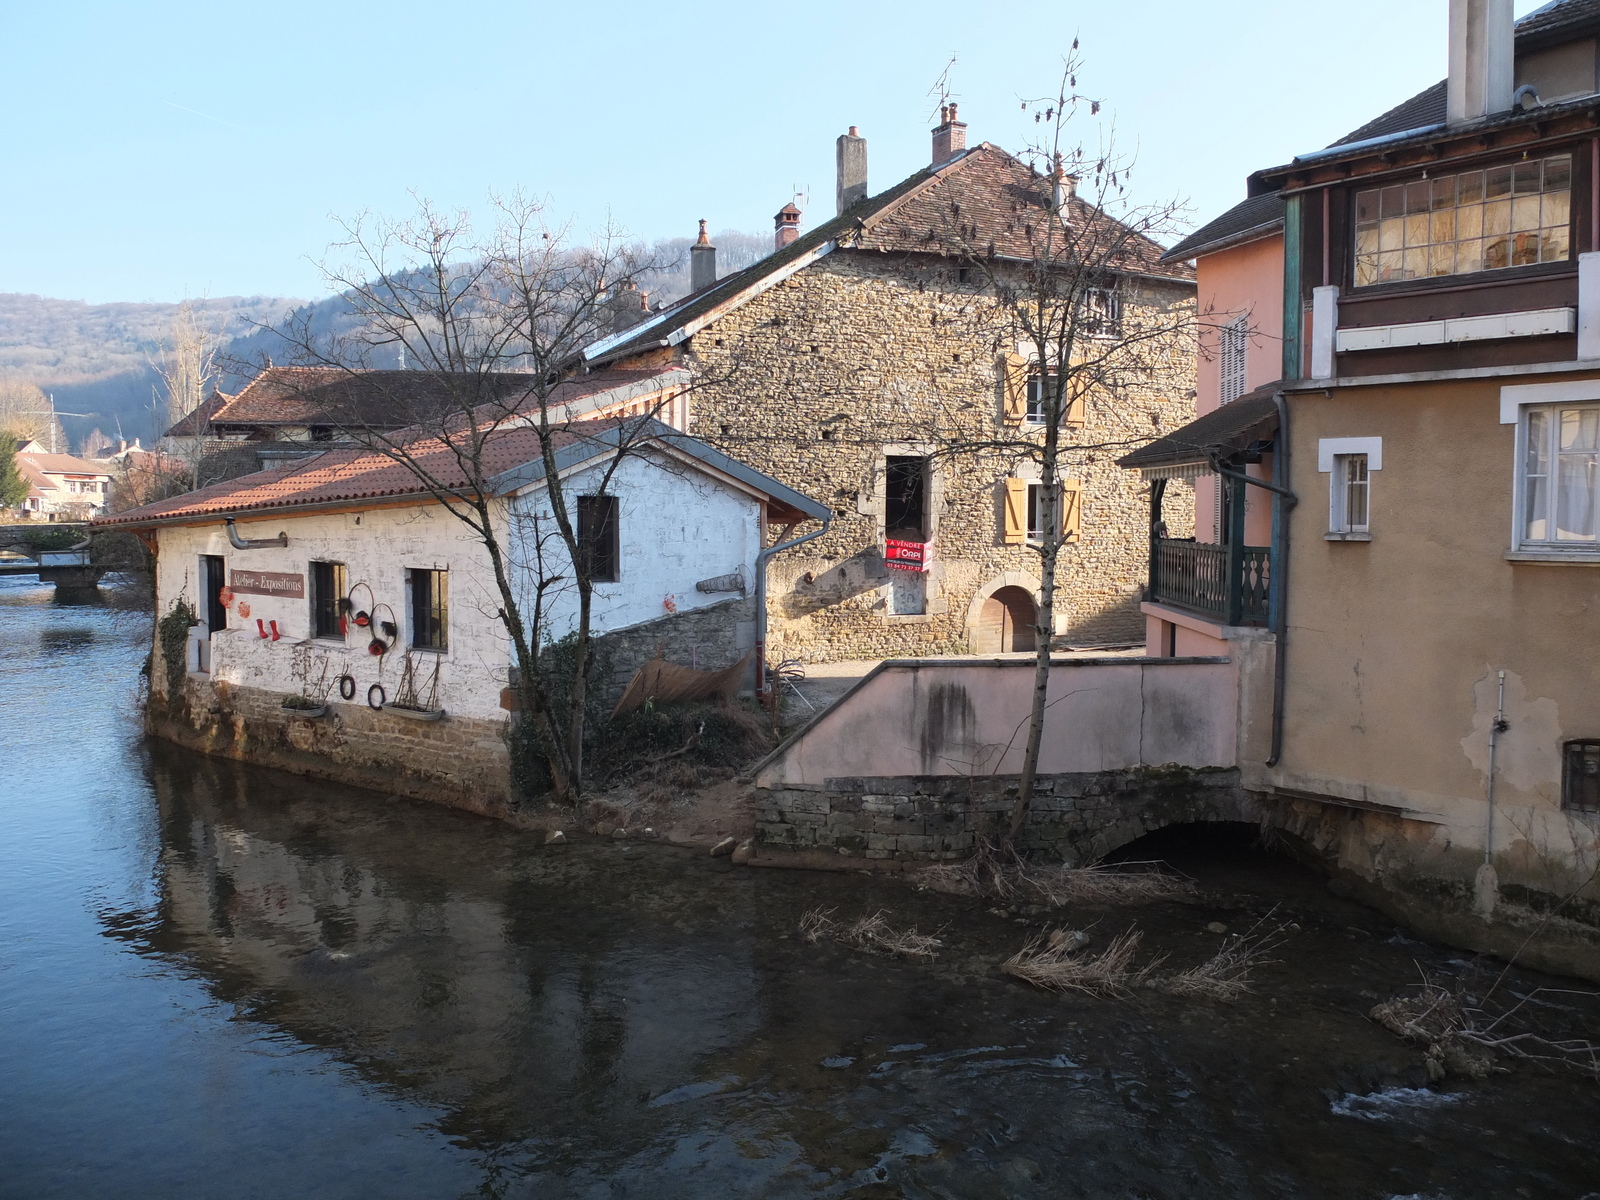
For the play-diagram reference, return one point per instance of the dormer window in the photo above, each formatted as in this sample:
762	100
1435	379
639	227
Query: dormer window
1515	215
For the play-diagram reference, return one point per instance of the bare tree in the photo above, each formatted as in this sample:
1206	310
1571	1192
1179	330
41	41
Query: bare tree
1077	322
94	444
26	412
495	321
186	363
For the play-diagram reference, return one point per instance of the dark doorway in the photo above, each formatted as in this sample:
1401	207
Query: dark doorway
1006	623
905	498
214	577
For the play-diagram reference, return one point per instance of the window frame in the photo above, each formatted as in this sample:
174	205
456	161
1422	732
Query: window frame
340	587
434	638
1233	359
923	492
609	558
1557	547
1571	749
1340	487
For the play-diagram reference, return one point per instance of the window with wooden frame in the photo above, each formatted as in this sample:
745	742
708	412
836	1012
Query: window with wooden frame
1101	312
327	590
430	609
599	542
1024	517
1513	215
1233	343
1580	775
1349	510
1558	477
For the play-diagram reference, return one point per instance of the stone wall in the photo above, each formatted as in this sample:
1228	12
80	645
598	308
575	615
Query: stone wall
705	638
459	761
1077	818
814	380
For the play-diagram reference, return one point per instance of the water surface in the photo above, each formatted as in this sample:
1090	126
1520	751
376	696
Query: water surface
220	981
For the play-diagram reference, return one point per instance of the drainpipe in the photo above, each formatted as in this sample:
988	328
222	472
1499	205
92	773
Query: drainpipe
241	543
1500	726
761	597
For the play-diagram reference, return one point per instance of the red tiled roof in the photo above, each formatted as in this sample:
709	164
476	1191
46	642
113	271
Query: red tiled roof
62	464
196	423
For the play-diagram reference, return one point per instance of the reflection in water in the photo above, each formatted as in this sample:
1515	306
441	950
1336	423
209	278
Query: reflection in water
58	641
220	981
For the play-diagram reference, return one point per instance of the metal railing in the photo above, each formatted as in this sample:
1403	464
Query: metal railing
1230	583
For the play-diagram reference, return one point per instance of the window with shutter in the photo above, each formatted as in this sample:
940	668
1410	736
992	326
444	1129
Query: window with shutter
1071	509
1014	388
1015	528
1231	356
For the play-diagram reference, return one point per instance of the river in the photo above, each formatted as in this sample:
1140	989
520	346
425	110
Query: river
217	981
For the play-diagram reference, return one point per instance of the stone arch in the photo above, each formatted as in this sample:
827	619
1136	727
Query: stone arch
1090	836
975	611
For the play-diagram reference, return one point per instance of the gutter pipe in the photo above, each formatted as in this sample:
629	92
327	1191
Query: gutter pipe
761	596
242	543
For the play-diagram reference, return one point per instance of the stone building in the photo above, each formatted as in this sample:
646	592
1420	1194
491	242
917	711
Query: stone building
865	362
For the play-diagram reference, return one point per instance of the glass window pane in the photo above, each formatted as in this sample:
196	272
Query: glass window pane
1419	197
1469	187
1416	262
1469	256
1391	234
1496	253
1536	477
1469	221
1526	178
1578	428
1417	229
1366	269
1575	498
1367	238
1558	173
1367	206
1444	193
1442	259
1497	218
1497	182
1525	213
1556	210
1442	226
1394	201
1390	265
1555	247
1524	249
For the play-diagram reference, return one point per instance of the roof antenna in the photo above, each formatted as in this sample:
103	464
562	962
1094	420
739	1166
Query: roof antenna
942	86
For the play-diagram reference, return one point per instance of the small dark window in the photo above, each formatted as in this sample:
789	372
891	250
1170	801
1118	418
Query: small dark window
214	577
962	274
430	609
906	498
1580	785
327	589
597	538
322	433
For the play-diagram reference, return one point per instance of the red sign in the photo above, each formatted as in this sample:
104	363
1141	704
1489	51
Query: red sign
905	556
268	583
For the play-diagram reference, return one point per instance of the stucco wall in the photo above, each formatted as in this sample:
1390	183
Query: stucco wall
815	379
969	718
1394	644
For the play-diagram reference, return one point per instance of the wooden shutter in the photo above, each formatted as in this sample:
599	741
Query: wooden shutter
1077	395
1014	388
1071	509
1016	525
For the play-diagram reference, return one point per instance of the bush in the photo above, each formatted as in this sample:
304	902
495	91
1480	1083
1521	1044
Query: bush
59	538
173	630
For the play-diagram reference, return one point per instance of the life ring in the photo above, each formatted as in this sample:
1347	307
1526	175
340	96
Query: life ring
347	687
378	688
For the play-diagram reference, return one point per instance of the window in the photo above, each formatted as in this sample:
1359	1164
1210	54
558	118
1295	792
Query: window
322	433
598	548
1560	446
1231	359
1580	776
1024	510
1348	510
1038	393
905	498
1509	216
430	609
213	578
327	590
1102	312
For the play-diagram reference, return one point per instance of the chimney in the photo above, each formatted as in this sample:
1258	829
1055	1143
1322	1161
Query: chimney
702	262
852	155
1482	59
950	139
786	226
1063	187
628	305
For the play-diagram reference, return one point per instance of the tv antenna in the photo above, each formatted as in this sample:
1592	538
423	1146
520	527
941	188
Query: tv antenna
942	85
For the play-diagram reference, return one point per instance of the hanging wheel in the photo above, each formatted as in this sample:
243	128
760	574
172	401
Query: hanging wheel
375	690
347	687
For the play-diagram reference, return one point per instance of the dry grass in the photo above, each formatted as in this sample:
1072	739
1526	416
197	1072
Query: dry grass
1057	965
872	933
1226	974
1008	878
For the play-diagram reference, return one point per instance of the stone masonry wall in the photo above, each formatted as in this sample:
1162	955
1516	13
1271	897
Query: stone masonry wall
859	354
1078	818
706	638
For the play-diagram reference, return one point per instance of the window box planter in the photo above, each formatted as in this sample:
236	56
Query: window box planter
414	714
296	707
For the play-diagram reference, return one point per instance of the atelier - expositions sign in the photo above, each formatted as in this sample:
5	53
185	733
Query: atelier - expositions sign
268	583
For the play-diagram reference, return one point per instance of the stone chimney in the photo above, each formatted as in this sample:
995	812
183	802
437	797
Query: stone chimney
786	226
950	138
702	262
1482	60
852	156
627	305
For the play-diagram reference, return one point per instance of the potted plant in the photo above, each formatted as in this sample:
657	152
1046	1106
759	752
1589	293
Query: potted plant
304	706
409	701
313	698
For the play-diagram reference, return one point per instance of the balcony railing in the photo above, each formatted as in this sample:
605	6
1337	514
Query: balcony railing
1230	583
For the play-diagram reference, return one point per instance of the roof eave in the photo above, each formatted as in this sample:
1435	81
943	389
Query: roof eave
1182	253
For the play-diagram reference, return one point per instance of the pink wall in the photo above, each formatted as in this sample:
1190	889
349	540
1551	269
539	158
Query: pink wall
1248	280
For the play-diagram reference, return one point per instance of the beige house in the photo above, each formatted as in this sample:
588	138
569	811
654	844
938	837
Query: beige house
867	363
62	485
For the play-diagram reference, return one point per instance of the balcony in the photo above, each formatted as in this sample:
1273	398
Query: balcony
1228	583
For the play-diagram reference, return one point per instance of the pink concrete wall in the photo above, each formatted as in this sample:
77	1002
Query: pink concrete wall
969	717
1248	280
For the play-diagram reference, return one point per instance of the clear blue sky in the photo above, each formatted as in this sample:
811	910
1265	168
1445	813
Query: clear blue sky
155	150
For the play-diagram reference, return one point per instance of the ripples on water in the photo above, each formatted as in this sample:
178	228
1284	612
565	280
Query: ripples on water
216	981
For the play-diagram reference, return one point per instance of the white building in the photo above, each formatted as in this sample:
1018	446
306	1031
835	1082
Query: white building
62	484
298	575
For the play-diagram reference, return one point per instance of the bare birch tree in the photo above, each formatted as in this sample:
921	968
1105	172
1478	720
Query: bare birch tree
495	323
187	364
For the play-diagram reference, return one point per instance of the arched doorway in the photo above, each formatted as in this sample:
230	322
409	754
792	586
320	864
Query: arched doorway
1005	622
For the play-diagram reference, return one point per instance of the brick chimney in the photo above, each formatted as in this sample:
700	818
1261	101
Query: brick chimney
702	262
627	305
1482	60
852	157
786	226
950	138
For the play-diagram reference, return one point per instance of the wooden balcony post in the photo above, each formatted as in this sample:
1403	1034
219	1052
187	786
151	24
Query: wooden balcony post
1234	576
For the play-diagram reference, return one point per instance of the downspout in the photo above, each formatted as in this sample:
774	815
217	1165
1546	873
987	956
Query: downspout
241	543
761	597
